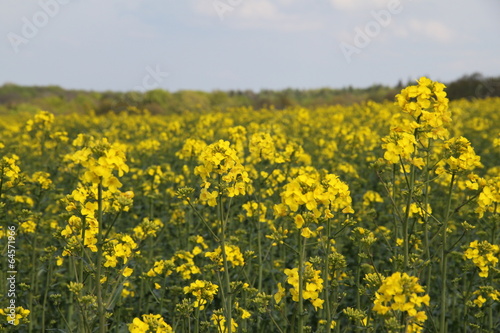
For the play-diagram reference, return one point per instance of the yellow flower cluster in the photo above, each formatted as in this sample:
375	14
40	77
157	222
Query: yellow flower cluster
27	227
191	149
43	120
400	146
161	266
313	285
399	292
82	202
181	262
321	196
126	292
262	147
254	209
459	156
484	255
148	145
204	291
218	157
419	210
426	102
21	315
9	170
154	175
150	323
220	322
221	160
185	263
370	197
363	236
483	294
293	152
238	136
233	253
147	228
76	228
120	247
100	159
244	314
427	105
489	198
42	178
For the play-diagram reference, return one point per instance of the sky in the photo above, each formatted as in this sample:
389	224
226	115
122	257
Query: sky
207	45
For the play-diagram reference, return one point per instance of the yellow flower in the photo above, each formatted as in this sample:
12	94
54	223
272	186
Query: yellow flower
111	261
399	292
484	255
426	102
460	155
262	147
204	291
279	294
209	197
220	322
127	272
313	285
489	197
318	195
479	301
191	148
28	226
15	316
307	233
59	261
149	323
233	254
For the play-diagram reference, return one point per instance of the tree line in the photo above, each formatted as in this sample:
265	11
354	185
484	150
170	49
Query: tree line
15	98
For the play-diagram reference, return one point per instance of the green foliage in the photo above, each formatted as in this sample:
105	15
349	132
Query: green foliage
15	98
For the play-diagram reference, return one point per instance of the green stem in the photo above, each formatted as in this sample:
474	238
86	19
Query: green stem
33	281
71	306
274	322
227	281
490	309
259	246
411	185
327	280
358	287
214	235
302	245
444	259
395	207
227	286
100	305
426	216
46	293
82	255
490	278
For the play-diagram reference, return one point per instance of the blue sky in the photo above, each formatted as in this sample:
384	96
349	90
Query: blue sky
244	44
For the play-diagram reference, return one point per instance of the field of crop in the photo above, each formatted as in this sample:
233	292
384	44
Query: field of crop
363	218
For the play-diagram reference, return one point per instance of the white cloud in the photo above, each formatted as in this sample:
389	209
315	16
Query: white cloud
399	30
259	10
288	2
258	14
431	29
203	7
352	5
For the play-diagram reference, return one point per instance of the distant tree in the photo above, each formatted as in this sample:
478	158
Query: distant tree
56	99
